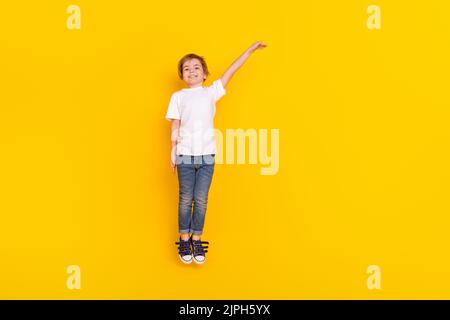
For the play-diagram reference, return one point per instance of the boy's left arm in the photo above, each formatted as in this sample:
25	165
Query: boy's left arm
226	77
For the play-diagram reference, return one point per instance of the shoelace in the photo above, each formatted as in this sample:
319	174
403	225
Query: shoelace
184	247
199	250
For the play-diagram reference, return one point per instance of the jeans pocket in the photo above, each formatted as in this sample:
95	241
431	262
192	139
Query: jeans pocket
178	159
209	159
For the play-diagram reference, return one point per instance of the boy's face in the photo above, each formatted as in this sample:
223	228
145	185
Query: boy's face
193	72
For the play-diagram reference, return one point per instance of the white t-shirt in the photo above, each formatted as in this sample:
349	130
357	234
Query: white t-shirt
196	107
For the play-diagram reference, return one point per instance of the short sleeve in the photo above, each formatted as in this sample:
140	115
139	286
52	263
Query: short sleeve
218	89
173	111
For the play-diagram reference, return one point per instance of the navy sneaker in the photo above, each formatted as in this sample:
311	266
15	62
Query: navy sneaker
199	250
184	251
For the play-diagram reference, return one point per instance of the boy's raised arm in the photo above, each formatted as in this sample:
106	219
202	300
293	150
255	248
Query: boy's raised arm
226	77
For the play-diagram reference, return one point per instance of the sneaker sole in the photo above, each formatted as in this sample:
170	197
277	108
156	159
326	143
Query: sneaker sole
199	262
184	261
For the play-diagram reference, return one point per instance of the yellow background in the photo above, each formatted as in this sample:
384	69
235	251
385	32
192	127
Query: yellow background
364	150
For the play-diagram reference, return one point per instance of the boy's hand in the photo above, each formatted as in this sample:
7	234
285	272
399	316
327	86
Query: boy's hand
173	159
226	77
257	45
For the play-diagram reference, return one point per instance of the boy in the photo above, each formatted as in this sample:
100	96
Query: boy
192	111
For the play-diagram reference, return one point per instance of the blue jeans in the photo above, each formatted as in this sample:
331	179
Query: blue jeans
194	177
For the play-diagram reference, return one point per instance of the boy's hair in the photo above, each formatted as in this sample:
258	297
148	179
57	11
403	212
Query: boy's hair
188	57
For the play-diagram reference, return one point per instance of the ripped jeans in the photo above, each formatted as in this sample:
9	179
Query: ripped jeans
194	178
